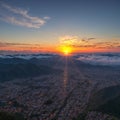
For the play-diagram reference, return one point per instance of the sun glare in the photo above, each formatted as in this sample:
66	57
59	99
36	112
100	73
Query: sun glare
66	50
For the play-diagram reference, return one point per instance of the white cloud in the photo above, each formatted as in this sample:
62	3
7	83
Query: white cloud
100	59
21	17
15	10
46	18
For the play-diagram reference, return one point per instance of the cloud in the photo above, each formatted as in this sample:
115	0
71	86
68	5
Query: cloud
75	41
100	59
84	46
99	45
6	44
87	39
15	10
46	18
91	38
21	17
68	40
88	43
108	45
20	46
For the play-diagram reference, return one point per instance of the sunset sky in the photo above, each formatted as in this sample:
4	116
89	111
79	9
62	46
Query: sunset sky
50	25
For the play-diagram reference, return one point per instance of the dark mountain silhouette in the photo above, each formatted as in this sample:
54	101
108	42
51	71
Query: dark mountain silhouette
107	101
12	71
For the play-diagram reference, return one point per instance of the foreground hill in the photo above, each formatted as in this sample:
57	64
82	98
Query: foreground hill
107	101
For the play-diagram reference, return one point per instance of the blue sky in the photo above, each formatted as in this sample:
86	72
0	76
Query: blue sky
45	21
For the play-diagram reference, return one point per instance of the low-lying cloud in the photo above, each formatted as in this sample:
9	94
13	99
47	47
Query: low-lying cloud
100	59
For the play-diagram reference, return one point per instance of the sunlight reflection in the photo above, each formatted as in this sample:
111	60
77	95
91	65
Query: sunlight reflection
65	76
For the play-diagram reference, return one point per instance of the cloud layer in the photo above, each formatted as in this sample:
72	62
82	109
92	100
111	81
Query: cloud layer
20	17
100	59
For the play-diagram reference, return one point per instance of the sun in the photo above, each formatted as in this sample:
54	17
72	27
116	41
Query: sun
66	50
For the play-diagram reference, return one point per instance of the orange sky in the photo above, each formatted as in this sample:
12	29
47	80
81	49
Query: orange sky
74	44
